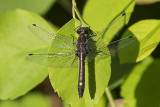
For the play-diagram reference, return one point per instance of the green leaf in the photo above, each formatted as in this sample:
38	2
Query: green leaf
147	33
102	102
118	72
100	14
17	76
38	6
141	87
33	99
65	80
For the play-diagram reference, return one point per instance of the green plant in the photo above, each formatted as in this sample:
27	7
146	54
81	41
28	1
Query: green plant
18	76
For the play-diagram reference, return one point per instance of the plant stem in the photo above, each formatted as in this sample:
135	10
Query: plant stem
110	98
116	84
73	9
79	15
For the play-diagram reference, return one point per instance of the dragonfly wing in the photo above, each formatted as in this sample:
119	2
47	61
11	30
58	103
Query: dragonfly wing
63	42
57	41
97	50
98	54
110	30
55	60
41	33
114	27
101	51
115	46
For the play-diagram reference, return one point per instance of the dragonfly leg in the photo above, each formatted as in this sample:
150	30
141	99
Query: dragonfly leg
92	33
74	59
74	43
102	52
76	28
90	40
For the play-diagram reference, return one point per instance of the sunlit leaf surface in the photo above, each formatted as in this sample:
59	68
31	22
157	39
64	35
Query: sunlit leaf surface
18	76
37	6
147	33
33	99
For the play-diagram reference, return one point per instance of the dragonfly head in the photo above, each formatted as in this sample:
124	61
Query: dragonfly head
86	31
82	30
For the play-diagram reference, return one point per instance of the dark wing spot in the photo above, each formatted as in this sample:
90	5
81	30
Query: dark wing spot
123	14
34	24
30	54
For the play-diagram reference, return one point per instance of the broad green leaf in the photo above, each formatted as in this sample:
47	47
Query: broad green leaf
65	80
141	87
17	76
100	14
33	99
147	33
118	72
38	6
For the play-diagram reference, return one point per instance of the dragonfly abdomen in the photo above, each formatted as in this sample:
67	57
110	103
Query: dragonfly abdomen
81	79
81	53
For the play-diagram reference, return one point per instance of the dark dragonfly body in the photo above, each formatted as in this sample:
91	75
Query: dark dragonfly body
81	53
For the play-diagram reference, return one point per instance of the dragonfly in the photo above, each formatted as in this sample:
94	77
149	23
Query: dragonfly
71	53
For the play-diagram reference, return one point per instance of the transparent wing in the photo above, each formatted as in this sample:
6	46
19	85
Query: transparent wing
113	28
59	41
56	60
61	52
109	31
115	46
41	33
98	54
96	44
102	51
63	42
97	49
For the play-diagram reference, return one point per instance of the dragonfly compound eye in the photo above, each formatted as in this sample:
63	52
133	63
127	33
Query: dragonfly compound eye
78	31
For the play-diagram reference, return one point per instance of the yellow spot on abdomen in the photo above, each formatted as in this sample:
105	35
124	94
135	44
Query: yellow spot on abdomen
80	83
